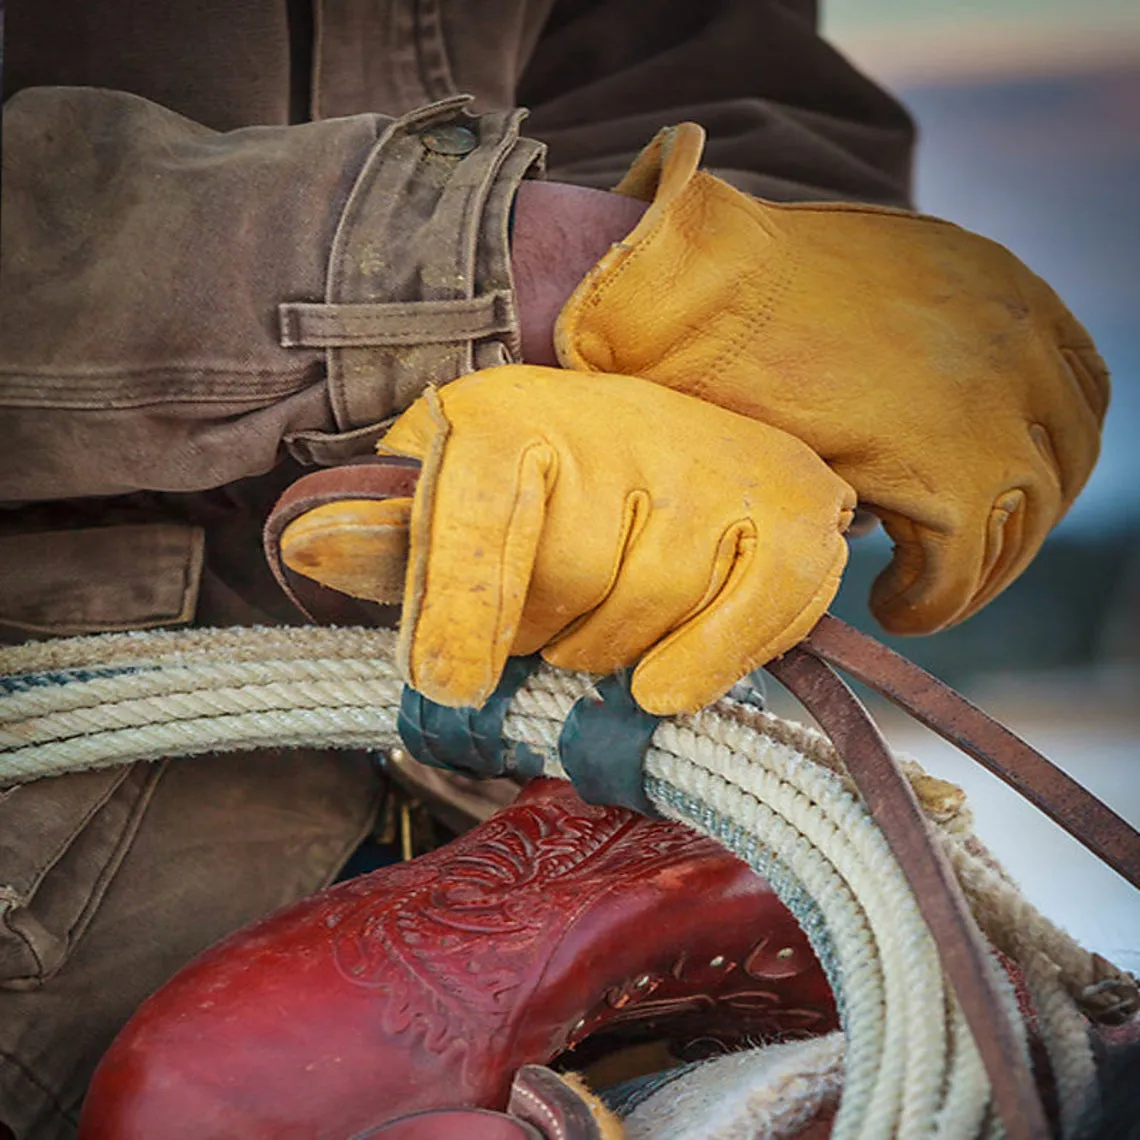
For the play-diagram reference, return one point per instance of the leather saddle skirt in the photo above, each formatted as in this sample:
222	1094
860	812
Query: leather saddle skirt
428	984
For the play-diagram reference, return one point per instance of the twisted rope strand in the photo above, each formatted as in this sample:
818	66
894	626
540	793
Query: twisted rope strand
190	705
161	679
966	1098
200	646
365	728
839	827
866	1110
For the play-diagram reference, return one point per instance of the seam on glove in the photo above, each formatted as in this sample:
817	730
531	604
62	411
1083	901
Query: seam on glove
635	515
1008	536
419	534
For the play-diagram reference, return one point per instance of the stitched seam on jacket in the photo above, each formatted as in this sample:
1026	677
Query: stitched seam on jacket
53	1098
189	387
128	833
64	845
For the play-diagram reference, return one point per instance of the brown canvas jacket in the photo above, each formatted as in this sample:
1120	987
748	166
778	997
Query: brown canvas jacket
175	279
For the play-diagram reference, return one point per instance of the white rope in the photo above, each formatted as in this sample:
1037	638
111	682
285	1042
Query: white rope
836	825
224	701
963	1108
203	646
774	792
173	679
870	1103
1065	1034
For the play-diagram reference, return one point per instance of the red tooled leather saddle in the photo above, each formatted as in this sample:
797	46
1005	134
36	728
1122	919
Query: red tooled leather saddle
429	984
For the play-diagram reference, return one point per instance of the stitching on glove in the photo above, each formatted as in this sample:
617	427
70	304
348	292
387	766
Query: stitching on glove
419	533
635	515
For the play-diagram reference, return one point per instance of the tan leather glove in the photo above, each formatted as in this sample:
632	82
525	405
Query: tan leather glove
602	519
930	369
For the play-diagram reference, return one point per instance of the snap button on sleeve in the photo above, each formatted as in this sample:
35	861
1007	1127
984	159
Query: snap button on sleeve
450	138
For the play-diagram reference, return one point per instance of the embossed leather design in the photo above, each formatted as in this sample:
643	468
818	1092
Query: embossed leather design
429	984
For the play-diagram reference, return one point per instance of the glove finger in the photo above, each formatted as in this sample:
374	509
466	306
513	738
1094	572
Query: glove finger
1006	549
1090	374
747	622
567	589
1019	523
646	598
1088	370
357	546
930	578
474	535
1068	439
938	578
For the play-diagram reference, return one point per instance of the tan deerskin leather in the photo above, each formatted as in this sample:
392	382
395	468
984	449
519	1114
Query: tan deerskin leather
602	520
927	365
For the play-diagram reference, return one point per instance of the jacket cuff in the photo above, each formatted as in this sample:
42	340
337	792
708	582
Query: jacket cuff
419	287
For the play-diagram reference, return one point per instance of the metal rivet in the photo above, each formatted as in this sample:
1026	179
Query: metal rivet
642	982
717	961
786	952
450	138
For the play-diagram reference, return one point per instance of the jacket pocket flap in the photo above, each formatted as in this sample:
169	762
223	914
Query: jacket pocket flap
100	579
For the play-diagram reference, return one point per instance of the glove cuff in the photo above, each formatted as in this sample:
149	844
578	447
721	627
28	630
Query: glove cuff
662	170
659	175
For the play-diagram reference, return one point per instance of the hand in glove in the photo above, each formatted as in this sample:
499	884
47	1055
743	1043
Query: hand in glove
925	364
602	519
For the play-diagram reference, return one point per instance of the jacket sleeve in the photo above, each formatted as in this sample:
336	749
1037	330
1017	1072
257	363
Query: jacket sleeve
788	117
180	306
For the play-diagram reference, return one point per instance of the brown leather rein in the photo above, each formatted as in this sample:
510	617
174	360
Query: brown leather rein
807	671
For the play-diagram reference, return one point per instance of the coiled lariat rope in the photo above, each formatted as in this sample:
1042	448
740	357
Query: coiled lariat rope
774	793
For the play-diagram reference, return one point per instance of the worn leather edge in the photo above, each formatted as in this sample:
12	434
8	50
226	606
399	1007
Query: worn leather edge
377	477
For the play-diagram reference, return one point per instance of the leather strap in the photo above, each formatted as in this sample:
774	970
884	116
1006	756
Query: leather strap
1006	755
543	1099
961	946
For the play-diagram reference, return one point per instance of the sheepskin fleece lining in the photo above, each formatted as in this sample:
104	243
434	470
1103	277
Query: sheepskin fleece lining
768	1093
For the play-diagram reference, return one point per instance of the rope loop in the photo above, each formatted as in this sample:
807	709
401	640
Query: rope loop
774	793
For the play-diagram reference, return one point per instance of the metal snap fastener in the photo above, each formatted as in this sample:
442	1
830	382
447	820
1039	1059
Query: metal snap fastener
450	138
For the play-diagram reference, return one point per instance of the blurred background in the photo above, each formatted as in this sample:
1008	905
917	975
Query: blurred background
1029	119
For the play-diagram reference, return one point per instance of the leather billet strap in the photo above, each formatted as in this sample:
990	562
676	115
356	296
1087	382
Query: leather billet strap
962	948
937	706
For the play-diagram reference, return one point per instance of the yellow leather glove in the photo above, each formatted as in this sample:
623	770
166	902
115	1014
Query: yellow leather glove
602	519
929	368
